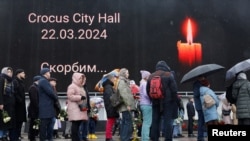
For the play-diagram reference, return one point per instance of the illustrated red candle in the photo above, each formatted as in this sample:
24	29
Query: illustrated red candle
189	53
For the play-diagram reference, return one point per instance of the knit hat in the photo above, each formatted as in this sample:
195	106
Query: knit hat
19	71
144	74
5	70
132	82
242	75
36	78
205	82
44	70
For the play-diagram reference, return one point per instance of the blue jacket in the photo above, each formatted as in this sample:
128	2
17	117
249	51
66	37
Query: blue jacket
209	113
47	99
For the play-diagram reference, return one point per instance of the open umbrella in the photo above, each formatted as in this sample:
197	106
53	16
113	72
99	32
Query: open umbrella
98	86
241	66
203	70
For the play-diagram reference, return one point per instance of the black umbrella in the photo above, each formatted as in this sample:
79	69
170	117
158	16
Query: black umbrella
241	66
203	70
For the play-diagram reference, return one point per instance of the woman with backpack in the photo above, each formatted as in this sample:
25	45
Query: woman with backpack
111	111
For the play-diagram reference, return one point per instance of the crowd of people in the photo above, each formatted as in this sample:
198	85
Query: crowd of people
82	114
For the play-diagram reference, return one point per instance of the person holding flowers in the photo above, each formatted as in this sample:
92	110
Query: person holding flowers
77	95
7	102
33	109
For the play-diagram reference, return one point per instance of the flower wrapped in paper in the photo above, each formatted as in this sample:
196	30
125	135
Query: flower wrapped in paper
6	117
62	115
36	124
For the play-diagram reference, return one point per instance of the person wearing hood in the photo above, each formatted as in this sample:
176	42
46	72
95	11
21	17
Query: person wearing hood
241	92
7	101
166	107
145	106
127	107
76	96
20	105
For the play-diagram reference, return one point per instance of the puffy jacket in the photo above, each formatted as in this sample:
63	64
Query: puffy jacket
74	93
241	92
209	113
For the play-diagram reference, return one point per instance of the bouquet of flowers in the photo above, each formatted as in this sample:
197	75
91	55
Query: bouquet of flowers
36	124
62	115
195	125
6	117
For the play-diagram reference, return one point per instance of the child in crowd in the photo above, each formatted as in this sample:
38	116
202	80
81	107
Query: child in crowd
93	118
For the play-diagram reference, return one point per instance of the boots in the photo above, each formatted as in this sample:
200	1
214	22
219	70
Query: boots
93	136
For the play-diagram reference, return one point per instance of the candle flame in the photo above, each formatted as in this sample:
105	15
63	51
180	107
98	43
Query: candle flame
189	32
189	53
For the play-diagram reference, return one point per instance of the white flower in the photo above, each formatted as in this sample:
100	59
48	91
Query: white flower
6	119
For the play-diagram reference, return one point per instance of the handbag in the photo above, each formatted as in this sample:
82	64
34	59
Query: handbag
226	112
208	101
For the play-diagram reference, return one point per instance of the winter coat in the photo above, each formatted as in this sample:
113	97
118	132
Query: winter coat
196	91
7	99
144	98
227	107
169	90
20	106
241	92
209	113
108	91
125	92
190	109
34	99
75	92
47	99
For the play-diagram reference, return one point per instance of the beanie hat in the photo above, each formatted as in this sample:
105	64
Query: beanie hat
144	74
205	82
5	70
44	70
19	71
132	82
242	75
36	78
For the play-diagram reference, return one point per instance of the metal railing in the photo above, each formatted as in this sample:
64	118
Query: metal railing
182	93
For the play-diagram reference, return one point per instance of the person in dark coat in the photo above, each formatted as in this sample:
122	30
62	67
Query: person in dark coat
198	107
167	106
33	108
191	115
47	99
7	101
57	106
84	125
111	111
241	92
20	105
